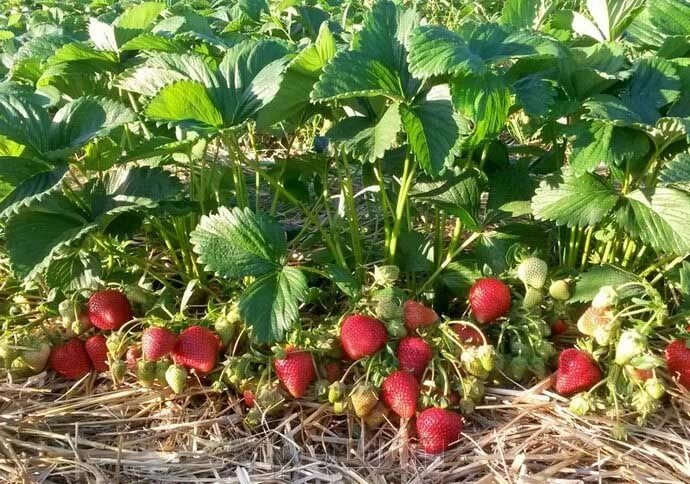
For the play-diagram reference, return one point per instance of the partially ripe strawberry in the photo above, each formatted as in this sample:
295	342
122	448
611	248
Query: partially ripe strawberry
417	315
577	372
196	348
400	391
333	370
559	326
437	429
594	319
638	375
414	355
295	372
467	334
98	352
157	342
362	336
70	360
109	309
132	357
489	299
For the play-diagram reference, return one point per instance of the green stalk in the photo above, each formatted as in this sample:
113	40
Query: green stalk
447	261
348	193
405	185
588	243
385	204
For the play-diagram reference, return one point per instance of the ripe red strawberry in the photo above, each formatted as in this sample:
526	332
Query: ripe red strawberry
489	299
576	372
98	352
437	429
414	355
400	391
417	315
132	357
334	371
109	309
468	335
295	372
197	348
677	356
157	342
559	326
70	360
248	398
362	336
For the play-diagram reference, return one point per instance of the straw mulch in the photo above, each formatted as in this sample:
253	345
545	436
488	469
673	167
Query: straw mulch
90	432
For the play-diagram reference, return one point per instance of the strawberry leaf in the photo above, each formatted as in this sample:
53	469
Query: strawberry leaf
571	201
237	243
270	305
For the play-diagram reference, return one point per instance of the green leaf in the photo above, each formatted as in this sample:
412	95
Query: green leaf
458	277
660	218
163	69
434	131
250	75
366	140
141	185
524	14
102	35
24	122
435	50
39	232
598	143
660	19
74	272
185	102
607	108
485	100
152	42
573	201
589	282
135	20
24	180
83	119
238	243
377	63
459	196
292	98
271	304
677	172
653	85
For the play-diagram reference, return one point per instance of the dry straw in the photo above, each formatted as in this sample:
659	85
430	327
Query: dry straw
52	432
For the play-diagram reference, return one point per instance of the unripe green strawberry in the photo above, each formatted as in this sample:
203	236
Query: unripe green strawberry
364	398
473	388
253	418
146	372
472	363
581	404
386	275
340	407
321	388
118	370
395	328
630	344
605	298
388	309
655	387
533	298
36	354
517	368
560	290
487	356
532	272
18	368
176	377
644	403
8	351
115	342
68	309
268	397
336	391
376	416
81	324
466	406
225	329
162	366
